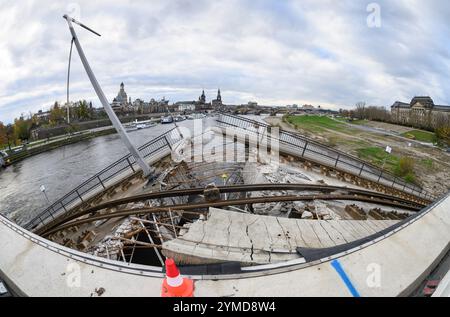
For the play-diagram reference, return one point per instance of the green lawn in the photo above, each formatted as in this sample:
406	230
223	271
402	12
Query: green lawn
419	135
390	162
315	123
378	156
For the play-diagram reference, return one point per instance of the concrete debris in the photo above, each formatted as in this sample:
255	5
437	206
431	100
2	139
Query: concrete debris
185	229
139	205
110	247
324	212
259	173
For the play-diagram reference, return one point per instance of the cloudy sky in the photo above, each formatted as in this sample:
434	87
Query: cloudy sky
271	51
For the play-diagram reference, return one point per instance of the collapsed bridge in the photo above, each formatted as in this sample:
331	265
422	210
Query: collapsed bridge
321	184
231	225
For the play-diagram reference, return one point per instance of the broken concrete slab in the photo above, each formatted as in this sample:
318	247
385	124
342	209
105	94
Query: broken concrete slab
256	239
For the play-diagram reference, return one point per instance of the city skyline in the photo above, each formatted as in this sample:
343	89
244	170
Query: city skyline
266	51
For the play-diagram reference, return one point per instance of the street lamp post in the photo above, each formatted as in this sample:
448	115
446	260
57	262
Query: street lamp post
43	189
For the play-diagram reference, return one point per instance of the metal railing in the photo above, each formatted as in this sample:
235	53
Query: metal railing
309	149
99	180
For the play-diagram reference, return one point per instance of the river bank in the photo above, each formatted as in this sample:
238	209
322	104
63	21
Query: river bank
51	145
63	168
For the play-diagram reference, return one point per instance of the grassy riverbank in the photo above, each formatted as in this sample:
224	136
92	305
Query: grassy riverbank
418	163
422	136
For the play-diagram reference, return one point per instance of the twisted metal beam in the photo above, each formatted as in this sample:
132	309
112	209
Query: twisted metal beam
205	205
405	203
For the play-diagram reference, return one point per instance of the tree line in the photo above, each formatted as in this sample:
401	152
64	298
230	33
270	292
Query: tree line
20	131
16	133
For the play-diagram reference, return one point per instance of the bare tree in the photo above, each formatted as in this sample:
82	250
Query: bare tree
360	109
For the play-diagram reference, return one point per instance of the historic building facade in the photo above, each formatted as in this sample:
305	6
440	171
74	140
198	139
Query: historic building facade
200	104
217	103
421	112
202	98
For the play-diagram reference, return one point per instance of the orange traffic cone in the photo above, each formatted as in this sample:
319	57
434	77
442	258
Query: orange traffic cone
174	285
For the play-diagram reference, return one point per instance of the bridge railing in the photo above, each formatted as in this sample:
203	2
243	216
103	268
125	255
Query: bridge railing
315	151
99	181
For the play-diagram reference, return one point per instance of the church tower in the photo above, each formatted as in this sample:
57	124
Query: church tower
219	97
202	98
122	98
218	101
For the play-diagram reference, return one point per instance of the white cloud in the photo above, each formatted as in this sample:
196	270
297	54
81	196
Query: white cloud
275	52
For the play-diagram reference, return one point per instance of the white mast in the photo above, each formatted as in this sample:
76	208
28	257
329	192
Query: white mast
111	114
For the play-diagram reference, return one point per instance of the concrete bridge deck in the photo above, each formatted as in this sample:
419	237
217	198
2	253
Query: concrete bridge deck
390	265
248	238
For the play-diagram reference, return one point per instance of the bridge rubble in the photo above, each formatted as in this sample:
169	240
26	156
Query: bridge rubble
255	208
255	239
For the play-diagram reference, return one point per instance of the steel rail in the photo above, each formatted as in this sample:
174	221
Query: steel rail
249	188
227	189
254	200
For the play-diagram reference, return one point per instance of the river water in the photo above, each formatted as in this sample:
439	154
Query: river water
63	169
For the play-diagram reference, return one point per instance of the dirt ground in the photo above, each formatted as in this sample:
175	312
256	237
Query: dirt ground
432	165
388	126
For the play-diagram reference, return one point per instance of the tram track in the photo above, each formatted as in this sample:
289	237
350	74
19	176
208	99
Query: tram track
350	195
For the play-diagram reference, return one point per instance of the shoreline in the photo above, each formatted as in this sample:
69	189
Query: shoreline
27	153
